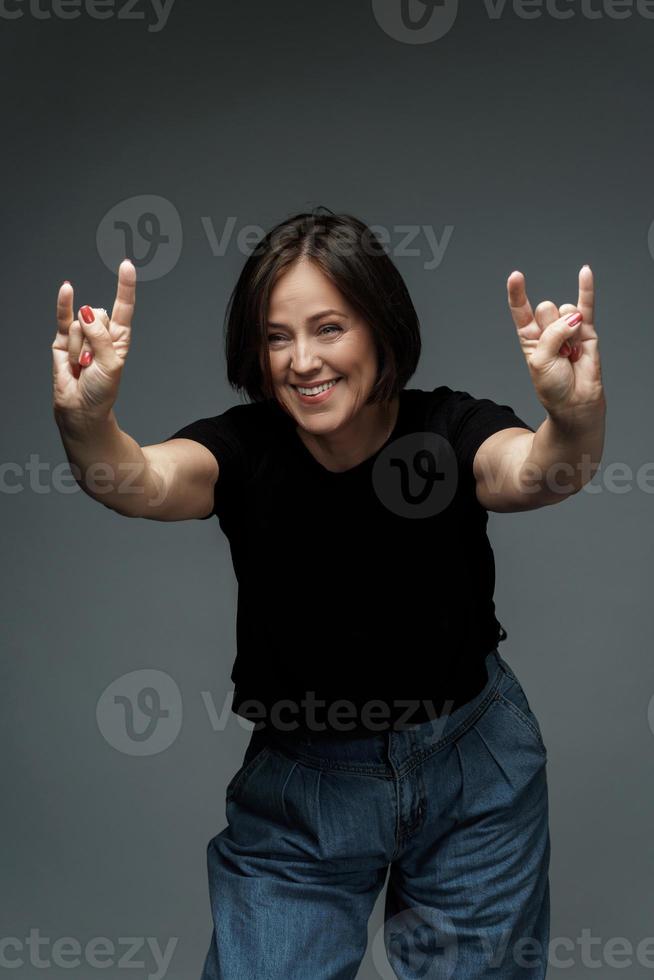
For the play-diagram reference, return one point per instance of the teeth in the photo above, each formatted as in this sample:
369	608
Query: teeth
315	391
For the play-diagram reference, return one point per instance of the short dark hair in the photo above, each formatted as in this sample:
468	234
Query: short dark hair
349	254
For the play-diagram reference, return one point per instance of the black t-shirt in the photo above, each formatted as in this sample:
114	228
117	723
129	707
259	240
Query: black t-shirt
371	587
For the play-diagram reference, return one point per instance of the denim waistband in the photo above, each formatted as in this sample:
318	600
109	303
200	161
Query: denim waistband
371	753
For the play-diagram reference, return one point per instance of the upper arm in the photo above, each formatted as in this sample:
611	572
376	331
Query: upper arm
491	442
496	467
185	472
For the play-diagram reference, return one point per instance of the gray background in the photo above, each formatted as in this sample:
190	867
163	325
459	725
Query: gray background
532	139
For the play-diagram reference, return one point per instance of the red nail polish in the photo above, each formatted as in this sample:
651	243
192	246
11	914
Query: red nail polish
87	314
574	319
86	358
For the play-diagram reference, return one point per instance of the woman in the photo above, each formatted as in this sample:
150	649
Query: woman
389	732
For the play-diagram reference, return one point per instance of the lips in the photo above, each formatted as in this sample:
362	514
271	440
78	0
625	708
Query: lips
323	393
316	384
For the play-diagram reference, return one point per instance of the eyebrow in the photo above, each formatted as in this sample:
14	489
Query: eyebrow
311	319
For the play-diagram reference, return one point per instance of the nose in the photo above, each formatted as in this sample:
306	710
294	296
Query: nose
303	357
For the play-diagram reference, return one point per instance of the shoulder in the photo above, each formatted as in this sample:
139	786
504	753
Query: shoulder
441	404
248	420
457	406
467	420
235	435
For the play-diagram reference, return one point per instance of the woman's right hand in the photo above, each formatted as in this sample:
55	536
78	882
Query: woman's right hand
86	388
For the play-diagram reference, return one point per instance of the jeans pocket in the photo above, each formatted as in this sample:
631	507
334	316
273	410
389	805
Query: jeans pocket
251	762
511	696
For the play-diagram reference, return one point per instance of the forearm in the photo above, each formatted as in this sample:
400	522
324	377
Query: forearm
110	466
565	453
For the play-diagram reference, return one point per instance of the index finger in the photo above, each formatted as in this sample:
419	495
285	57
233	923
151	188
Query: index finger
586	301
65	315
123	309
519	304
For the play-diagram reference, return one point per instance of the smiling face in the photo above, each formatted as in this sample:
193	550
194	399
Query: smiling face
314	336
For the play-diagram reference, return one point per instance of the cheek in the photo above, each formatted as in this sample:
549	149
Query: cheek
356	355
276	365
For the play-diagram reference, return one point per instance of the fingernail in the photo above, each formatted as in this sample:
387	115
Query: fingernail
87	314
86	358
574	319
66	282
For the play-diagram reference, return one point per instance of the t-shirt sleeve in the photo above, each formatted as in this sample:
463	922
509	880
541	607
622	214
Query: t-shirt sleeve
221	434
473	420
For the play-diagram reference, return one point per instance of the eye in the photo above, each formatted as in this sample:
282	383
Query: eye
273	337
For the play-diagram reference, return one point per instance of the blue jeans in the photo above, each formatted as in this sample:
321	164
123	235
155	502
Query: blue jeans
457	808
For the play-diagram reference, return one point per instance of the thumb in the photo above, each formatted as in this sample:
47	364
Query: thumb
97	337
555	335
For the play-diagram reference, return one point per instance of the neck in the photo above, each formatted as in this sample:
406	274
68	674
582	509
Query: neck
357	440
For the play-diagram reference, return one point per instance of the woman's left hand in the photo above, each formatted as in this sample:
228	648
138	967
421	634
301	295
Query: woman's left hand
563	360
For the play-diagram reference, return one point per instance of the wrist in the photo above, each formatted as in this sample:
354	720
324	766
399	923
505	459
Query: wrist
85	428
580	418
